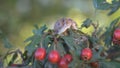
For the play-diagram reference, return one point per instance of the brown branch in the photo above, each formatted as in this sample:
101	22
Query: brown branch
95	29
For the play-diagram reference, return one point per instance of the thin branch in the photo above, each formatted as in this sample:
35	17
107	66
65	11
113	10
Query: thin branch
95	28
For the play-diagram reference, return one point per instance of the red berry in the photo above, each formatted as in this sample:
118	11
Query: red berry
68	57
116	34
63	63
54	56
40	54
116	41
94	64
86	54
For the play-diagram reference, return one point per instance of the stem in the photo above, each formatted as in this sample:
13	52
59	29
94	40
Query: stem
88	44
55	43
41	44
83	64
54	47
42	39
95	28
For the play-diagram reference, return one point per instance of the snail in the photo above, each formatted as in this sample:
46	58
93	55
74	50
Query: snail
63	24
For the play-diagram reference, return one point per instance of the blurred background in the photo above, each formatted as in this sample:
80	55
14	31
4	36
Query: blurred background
17	17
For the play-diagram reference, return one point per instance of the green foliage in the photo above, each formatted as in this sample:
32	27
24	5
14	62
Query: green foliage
33	44
14	57
104	5
111	64
39	31
97	54
68	44
109	30
72	43
61	48
35	39
47	41
86	23
101	4
115	6
114	52
69	41
5	41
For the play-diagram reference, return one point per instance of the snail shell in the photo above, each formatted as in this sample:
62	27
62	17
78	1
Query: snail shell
63	24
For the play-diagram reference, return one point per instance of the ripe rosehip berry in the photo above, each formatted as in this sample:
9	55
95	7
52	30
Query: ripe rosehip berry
40	54
63	63
54	56
68	58
116	41
116	36
86	54
94	64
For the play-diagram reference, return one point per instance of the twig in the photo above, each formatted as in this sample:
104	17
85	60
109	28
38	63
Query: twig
55	43
42	39
95	29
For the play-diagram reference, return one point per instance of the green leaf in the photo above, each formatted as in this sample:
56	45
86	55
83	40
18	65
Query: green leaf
113	23
115	7
14	57
86	23
32	45
69	41
50	48
40	30
61	48
36	26
110	64
71	33
30	48
7	43
101	4
96	54
29	39
5	40
37	64
47	41
93	39
108	38
113	10
35	39
37	31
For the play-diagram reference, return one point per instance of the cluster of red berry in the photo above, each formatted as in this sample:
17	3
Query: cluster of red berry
54	56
